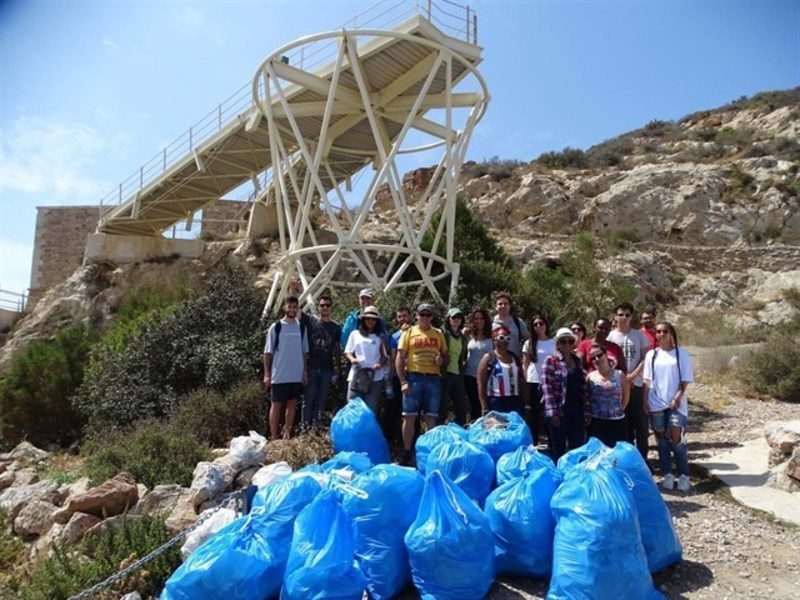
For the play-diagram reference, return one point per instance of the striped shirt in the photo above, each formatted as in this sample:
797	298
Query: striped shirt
503	379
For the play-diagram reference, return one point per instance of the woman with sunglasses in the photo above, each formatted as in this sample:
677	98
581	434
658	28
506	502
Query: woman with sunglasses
501	384
579	329
478	346
368	356
565	405
534	351
609	392
667	374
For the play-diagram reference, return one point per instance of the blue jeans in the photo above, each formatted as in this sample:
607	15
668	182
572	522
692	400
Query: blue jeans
662	421
424	395
319	384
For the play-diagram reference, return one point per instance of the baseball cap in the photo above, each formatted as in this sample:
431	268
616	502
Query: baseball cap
454	312
365	293
565	332
425	306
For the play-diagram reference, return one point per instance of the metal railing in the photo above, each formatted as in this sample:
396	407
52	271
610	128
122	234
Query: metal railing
13	301
455	20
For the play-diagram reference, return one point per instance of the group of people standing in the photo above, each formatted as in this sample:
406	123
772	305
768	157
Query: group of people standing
614	385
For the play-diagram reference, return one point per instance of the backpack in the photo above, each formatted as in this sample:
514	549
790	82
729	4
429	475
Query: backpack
278	325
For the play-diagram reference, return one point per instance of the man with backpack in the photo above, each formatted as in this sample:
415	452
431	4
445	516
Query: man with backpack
516	326
285	374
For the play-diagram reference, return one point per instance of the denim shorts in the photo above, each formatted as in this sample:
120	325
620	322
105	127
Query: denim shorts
661	418
424	395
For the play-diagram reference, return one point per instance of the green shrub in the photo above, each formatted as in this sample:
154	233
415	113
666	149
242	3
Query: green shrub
212	340
154	453
65	574
658	128
568	158
35	391
213	417
610	153
497	169
771	373
11	546
618	239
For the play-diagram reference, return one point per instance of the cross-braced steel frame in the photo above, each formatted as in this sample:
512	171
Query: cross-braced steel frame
352	122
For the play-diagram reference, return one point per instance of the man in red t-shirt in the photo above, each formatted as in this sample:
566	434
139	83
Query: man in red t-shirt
649	328
602	327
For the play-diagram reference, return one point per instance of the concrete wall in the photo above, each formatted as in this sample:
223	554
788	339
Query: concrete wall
217	216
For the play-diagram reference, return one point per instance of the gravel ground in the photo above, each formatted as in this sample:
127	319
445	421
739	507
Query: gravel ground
729	551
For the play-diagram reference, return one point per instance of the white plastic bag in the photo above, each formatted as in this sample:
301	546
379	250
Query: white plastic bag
248	451
206	529
271	473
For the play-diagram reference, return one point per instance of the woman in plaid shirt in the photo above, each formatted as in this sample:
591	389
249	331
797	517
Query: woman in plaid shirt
563	395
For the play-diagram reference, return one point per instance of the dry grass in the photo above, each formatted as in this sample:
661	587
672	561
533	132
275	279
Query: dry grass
312	447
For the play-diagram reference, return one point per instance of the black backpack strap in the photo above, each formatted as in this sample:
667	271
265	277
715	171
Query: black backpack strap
515	318
278	326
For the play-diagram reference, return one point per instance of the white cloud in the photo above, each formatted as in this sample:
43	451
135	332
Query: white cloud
190	19
111	46
15	265
42	155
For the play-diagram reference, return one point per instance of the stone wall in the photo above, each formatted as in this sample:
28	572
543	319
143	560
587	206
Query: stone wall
218	217
58	245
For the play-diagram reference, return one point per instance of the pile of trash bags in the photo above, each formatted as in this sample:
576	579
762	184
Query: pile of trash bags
482	502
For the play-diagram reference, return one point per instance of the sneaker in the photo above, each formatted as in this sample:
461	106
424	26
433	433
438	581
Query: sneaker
684	484
669	482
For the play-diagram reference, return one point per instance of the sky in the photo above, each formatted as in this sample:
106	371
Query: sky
89	90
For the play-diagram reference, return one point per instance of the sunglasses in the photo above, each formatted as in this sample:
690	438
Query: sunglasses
502	338
662	331
623	315
566	342
596	357
578	329
426	315
538	323
323	305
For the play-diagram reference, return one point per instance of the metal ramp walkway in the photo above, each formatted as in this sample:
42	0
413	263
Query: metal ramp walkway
232	145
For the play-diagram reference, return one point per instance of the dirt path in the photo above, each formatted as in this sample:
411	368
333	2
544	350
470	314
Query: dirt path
729	551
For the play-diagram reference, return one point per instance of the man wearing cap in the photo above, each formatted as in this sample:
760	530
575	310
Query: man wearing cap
365	298
455	394
515	325
421	352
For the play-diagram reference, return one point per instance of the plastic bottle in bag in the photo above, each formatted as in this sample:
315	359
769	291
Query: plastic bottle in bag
500	433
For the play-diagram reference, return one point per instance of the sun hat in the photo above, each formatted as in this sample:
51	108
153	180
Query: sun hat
565	332
365	293
370	311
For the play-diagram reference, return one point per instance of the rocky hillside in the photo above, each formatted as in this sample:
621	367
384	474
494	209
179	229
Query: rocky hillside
703	214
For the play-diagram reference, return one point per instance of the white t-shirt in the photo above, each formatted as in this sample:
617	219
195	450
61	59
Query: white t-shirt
634	344
662	376
544	348
367	350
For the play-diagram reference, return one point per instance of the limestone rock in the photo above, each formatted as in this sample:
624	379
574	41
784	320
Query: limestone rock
782	437
210	480
35	518
161	500
45	543
77	526
245	477
793	465
108	499
15	498
76	488
26	454
183	514
6	479
25	476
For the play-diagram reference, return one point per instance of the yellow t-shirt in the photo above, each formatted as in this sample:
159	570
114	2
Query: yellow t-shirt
422	348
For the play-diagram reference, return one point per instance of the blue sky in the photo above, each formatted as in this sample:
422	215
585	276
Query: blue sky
89	90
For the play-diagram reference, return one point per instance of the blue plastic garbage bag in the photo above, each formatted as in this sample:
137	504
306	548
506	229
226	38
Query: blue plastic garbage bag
522	524
380	520
322	561
500	433
429	441
524	460
449	544
357	462
238	562
661	544
247	559
355	429
467	465
580	454
597	551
